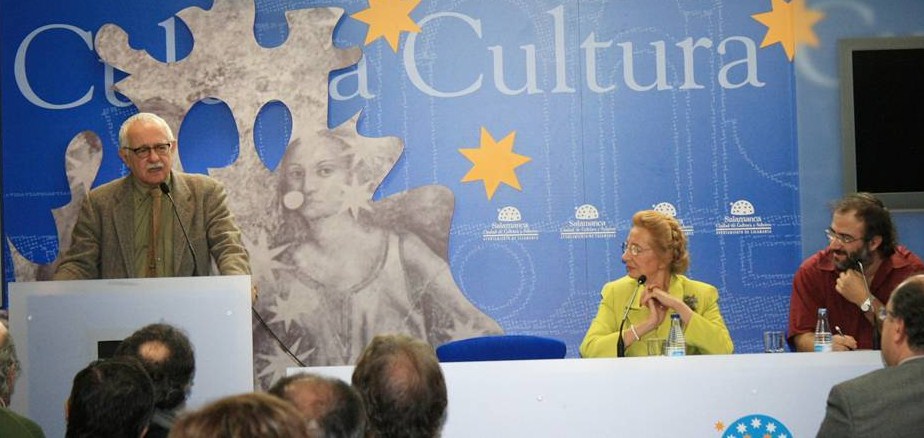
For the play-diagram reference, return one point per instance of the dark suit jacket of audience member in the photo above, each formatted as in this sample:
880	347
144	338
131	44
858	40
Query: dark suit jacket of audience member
887	402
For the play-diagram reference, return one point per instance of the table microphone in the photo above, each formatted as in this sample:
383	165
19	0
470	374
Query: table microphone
621	343
166	190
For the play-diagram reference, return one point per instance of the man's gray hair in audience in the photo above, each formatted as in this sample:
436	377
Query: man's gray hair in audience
9	366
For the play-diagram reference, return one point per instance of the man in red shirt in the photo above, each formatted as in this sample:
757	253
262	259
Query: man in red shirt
853	277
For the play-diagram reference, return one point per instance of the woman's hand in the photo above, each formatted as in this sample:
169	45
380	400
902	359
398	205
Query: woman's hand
656	310
667	301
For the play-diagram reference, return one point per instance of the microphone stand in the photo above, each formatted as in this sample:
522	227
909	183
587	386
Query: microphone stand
166	191
621	343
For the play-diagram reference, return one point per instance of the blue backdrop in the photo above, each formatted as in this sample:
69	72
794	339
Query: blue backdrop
619	105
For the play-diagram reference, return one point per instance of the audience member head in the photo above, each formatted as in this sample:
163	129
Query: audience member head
252	415
903	322
110	398
167	356
402	386
9	366
863	219
331	406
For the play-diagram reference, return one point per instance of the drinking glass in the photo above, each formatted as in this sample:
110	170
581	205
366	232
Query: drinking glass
774	341
655	346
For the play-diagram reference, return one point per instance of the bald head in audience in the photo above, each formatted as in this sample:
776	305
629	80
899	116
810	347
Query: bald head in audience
167	356
331	406
402	386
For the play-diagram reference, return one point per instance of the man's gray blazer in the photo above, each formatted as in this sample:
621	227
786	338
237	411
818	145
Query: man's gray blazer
887	403
103	242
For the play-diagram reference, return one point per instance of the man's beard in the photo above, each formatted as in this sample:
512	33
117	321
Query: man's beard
862	255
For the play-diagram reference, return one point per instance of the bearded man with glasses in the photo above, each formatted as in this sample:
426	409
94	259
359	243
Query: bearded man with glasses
126	229
852	277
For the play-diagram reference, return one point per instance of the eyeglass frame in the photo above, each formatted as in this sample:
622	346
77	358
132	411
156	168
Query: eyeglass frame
884	313
844	239
634	249
144	151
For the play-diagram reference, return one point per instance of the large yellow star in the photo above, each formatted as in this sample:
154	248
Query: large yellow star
494	162
387	18
789	24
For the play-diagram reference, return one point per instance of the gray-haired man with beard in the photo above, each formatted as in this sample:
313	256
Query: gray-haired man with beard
853	277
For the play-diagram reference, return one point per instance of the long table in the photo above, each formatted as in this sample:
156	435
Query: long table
776	395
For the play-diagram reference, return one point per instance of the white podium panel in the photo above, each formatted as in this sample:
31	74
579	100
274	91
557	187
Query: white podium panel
776	395
58	327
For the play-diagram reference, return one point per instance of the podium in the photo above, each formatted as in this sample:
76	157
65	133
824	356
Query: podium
61	326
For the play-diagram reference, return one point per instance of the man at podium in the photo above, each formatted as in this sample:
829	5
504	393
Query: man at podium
154	222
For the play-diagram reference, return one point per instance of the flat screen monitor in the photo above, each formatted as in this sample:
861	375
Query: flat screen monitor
882	114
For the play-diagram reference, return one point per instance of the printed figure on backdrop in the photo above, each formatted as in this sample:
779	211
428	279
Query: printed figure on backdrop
886	402
349	270
137	226
851	278
635	309
82	160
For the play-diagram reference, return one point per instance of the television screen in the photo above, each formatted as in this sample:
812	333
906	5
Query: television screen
882	104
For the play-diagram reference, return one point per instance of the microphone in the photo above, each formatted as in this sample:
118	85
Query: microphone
621	343
166	190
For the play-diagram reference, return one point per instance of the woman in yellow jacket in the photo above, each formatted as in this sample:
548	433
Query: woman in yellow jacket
656	249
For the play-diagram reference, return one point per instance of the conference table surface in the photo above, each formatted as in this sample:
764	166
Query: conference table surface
775	395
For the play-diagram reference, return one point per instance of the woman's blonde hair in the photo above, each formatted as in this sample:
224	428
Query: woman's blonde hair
668	237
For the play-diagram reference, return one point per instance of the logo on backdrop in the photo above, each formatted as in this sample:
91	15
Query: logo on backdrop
510	226
668	209
587	225
742	220
754	425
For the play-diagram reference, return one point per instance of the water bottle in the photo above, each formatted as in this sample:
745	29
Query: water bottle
823	341
676	344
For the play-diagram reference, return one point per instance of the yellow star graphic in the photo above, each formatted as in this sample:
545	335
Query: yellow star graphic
789	24
719	426
494	162
387	18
